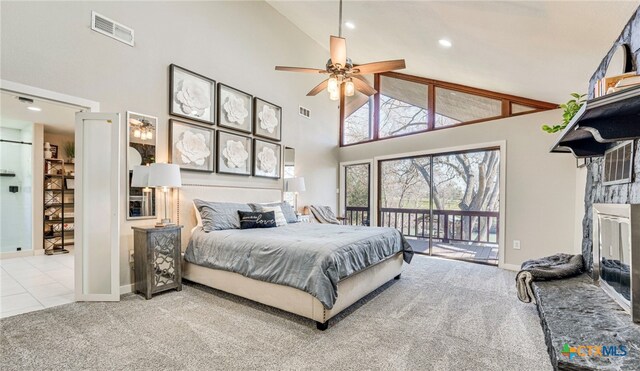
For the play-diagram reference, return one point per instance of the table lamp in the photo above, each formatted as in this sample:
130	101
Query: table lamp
165	176
295	185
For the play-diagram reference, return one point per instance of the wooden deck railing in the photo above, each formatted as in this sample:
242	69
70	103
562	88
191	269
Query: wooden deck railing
356	215
448	225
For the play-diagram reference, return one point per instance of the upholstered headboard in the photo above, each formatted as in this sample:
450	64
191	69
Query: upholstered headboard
184	210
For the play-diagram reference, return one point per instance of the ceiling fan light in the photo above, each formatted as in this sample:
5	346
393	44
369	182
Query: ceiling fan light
332	86
149	135
334	95
137	133
349	88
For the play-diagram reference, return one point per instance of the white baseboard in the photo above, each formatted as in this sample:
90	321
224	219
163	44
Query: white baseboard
125	289
16	254
510	267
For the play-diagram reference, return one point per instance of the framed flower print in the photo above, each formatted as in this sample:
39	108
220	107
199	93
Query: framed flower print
267	120
191	95
234	109
191	146
266	159
234	154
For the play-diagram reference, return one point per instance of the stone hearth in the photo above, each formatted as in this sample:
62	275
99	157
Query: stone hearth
576	312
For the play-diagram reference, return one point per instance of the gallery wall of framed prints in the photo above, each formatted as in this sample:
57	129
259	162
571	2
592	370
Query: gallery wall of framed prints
218	128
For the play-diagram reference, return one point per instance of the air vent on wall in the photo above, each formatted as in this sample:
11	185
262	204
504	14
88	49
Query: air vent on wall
618	164
111	28
304	112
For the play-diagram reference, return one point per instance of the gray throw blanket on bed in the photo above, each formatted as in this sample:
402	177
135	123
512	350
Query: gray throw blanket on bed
324	214
552	267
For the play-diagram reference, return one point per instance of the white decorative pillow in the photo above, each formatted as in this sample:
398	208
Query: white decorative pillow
277	210
198	216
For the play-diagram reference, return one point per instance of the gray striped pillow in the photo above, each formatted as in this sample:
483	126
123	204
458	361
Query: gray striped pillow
218	216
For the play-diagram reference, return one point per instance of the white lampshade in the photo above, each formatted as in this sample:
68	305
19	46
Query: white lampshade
164	175
140	176
294	185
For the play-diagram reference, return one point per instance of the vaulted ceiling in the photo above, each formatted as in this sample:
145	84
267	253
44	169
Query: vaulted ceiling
536	49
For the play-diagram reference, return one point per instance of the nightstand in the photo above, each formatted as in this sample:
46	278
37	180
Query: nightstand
156	256
304	218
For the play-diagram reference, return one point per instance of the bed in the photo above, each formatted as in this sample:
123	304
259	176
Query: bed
315	271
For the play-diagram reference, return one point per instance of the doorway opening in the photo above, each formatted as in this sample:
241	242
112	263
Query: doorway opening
37	192
445	204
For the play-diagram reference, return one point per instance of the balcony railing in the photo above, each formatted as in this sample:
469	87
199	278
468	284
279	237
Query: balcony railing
448	225
356	215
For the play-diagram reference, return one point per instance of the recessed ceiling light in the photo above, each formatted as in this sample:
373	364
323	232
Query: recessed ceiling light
349	25
445	43
34	108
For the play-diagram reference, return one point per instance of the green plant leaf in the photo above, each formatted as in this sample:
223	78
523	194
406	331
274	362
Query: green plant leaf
570	108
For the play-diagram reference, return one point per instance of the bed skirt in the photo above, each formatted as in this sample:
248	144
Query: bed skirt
350	289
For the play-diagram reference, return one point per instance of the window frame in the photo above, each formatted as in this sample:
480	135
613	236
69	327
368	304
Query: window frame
431	84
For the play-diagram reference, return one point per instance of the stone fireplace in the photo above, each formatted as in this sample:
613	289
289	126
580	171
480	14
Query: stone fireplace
616	252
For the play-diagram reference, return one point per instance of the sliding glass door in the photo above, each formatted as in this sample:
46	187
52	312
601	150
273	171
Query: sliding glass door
357	194
445	204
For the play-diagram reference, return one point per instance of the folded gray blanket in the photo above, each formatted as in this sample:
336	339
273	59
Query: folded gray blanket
552	267
324	214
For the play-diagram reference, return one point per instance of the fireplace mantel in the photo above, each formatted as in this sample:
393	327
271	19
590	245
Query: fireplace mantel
601	121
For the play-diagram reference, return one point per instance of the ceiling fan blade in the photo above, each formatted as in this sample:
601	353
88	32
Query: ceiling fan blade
320	87
300	69
377	67
363	86
338	48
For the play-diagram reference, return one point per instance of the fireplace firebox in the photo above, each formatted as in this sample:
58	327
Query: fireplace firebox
616	250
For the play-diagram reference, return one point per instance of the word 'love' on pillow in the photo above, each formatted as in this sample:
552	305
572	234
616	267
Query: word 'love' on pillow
252	219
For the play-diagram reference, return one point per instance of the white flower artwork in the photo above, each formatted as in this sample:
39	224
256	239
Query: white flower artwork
268	160
235	109
235	154
193	148
193	98
268	119
192	95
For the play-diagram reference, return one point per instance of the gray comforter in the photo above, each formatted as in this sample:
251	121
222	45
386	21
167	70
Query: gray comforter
309	257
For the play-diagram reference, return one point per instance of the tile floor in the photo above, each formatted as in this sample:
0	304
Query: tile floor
35	282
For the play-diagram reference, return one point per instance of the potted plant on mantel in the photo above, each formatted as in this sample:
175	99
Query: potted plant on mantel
570	109
70	151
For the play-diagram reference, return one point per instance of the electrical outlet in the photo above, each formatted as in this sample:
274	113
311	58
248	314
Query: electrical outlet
516	244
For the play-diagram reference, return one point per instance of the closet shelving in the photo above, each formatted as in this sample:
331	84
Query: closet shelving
58	205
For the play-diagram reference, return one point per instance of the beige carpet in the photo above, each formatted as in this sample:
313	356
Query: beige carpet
442	315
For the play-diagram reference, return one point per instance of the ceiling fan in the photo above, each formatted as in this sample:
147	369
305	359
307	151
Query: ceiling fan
342	71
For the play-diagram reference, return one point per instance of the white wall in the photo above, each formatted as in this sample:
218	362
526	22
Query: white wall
539	195
50	45
59	140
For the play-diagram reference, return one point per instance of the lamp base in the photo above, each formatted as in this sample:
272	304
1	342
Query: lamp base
164	223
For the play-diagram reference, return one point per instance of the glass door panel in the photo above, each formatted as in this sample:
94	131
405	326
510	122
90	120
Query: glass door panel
357	194
466	195
16	179
405	198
